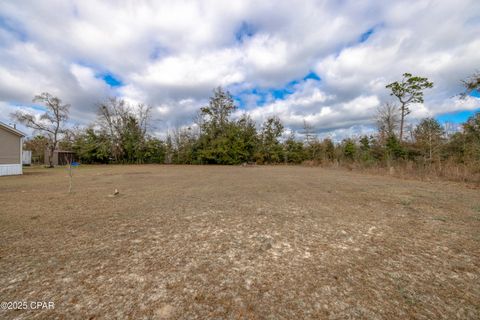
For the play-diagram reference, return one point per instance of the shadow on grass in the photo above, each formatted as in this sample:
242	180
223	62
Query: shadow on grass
36	172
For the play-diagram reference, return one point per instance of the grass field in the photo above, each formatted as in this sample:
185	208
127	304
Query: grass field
208	242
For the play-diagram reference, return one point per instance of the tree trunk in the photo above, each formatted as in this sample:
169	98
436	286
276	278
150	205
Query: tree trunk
50	157
401	122
430	147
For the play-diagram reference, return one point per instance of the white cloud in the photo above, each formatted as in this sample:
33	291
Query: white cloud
323	112
170	54
86	78
186	71
266	53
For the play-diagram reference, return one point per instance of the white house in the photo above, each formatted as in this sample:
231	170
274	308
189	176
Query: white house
10	150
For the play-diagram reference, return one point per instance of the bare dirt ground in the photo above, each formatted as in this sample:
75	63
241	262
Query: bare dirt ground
207	242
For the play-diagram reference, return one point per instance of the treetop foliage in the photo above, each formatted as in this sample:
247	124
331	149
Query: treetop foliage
120	134
409	89
471	84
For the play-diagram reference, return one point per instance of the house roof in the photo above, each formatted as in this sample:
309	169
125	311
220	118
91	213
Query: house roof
11	129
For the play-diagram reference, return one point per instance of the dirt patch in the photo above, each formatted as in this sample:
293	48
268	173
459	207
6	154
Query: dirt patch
183	242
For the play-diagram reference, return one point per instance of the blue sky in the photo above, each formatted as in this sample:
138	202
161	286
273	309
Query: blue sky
456	117
111	80
264	95
325	62
244	32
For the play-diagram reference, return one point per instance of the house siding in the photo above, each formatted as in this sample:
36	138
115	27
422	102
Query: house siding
10	169
10	148
10	151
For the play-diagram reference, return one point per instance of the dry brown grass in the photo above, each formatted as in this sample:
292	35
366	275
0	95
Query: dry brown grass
185	242
445	171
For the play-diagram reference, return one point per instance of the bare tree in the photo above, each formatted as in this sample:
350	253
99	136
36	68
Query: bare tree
51	123
309	133
115	120
183	140
111	116
387	118
429	135
143	114
311	142
199	120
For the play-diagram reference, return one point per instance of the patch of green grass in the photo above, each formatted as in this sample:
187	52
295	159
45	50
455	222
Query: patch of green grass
407	295
476	215
406	202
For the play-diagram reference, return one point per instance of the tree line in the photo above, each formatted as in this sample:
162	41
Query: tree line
121	134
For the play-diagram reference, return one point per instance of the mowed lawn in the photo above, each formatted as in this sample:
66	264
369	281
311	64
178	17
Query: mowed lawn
222	242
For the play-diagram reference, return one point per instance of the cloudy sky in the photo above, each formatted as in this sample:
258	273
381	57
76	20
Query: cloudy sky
326	62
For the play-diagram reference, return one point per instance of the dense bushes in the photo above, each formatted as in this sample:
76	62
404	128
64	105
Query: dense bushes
120	136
